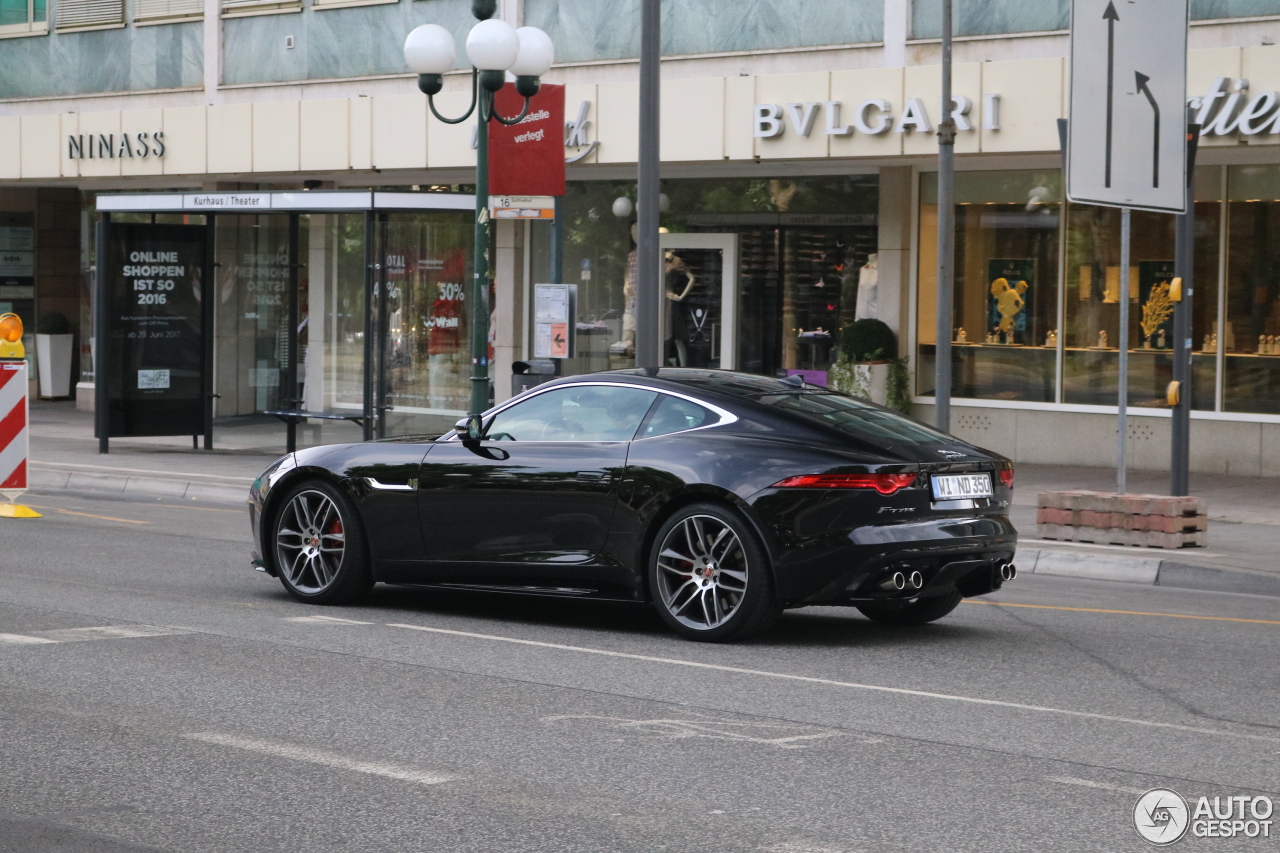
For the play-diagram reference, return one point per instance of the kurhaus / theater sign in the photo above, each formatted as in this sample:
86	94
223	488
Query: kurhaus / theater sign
100	146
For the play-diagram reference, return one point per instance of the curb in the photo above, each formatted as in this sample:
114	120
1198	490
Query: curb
45	477
1148	571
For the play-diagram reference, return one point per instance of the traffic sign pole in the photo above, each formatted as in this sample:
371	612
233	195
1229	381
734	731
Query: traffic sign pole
946	237
1184	268
1126	228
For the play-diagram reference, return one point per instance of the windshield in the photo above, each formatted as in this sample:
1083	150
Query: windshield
856	418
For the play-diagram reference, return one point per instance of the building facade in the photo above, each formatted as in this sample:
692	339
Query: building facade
799	169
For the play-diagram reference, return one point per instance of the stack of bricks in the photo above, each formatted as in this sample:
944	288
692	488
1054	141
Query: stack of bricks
1151	521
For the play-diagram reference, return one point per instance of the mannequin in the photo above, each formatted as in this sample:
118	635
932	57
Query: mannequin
868	290
626	344
690	330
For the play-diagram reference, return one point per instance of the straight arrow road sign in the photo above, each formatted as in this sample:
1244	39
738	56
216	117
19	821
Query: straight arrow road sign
1110	17
1128	67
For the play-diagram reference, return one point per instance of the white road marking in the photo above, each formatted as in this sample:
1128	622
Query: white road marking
77	635
324	620
23	639
107	632
1086	783
830	682
319	756
785	736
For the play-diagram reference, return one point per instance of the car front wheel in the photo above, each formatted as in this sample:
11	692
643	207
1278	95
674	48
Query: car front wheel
710	576
320	547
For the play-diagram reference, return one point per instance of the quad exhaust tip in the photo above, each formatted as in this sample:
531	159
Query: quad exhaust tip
898	581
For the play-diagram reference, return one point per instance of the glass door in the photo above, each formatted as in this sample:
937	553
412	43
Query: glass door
699	300
422	320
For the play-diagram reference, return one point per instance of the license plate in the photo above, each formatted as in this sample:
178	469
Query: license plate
954	487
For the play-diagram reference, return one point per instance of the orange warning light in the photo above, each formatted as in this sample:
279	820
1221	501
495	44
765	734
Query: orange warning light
10	328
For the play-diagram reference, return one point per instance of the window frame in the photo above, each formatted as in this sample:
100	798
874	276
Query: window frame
31	28
725	417
144	18
101	23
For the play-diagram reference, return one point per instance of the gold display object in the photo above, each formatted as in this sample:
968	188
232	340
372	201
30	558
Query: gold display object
1156	310
1009	303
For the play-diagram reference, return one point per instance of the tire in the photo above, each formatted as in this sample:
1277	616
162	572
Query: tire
710	577
914	612
319	545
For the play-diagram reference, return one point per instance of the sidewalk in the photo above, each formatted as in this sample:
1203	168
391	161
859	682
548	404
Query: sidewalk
64	455
1243	554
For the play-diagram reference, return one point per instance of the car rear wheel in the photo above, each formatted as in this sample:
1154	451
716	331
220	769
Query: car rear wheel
320	546
913	612
710	577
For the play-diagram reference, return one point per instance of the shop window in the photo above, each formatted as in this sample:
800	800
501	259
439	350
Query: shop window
89	14
989	17
1250	338
805	246
23	17
1004	327
586	30
1092	302
425	367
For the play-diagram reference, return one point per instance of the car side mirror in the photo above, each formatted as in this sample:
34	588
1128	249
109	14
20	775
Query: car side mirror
469	428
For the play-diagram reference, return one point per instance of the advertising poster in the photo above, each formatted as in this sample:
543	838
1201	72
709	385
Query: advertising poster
1010	286
155	343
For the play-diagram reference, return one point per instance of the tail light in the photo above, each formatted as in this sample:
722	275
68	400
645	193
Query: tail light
1006	477
885	484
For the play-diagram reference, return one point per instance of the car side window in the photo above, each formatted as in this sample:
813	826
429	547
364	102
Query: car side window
575	413
675	415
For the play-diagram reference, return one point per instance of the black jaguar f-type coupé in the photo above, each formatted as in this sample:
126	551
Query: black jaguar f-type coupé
722	498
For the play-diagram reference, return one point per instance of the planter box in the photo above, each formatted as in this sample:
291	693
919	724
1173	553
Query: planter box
53	360
1150	521
870	380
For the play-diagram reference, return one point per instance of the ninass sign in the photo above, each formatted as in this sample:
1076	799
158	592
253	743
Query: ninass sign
102	146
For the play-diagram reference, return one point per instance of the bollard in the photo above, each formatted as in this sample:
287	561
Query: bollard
14	443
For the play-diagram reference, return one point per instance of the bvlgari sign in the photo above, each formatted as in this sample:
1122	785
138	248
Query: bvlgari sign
101	146
871	117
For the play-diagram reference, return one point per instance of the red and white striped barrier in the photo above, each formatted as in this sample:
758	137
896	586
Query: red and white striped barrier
14	441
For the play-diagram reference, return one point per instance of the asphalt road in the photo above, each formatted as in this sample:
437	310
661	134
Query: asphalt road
210	712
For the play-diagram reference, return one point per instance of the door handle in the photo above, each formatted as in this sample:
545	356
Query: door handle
592	475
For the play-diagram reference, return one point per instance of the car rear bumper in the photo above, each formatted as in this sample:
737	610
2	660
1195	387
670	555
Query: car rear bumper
964	554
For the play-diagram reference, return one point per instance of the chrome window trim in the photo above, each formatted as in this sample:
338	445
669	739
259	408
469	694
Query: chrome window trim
726	417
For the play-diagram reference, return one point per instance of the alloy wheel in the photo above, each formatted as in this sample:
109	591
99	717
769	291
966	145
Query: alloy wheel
702	572
310	542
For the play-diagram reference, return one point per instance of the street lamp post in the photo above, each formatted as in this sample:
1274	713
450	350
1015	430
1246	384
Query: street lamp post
494	47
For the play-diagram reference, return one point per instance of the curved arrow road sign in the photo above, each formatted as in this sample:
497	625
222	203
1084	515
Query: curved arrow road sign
1128	68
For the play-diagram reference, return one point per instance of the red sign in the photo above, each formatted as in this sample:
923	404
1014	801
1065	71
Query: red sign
528	158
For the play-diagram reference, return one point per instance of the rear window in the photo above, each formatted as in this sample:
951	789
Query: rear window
855	418
676	415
